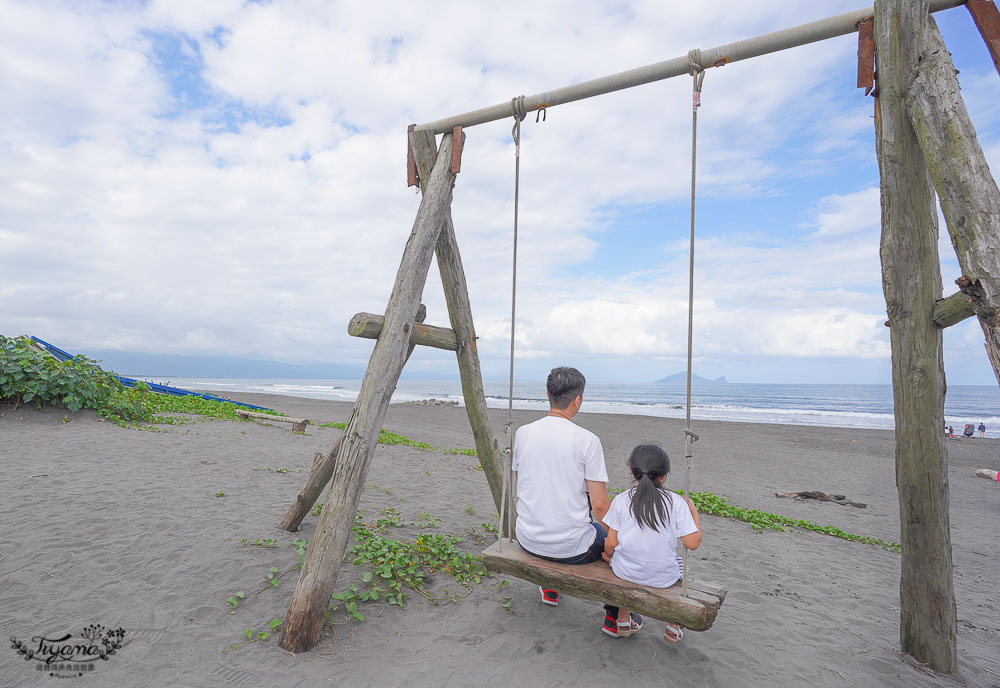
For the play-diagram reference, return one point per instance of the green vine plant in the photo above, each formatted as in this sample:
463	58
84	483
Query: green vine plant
716	505
401	567
709	503
31	376
395	569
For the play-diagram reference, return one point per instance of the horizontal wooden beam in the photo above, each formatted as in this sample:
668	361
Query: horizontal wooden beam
298	424
953	309
369	326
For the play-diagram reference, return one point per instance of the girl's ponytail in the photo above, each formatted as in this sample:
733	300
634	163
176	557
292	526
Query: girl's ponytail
648	463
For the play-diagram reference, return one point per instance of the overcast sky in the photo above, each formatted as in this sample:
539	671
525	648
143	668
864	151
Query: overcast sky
228	178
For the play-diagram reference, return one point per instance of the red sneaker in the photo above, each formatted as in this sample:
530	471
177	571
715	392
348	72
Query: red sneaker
550	597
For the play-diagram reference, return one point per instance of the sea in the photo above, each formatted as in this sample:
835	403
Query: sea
845	406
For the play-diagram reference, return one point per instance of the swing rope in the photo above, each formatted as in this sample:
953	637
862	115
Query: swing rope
506	500
697	76
507	496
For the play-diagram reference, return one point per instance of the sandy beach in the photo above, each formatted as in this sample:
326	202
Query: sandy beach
105	525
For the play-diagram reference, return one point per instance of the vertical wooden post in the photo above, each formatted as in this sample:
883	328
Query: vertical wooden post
456	293
322	468
911	281
307	612
970	199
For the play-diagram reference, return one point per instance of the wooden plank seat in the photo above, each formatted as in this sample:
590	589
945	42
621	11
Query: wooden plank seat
597	582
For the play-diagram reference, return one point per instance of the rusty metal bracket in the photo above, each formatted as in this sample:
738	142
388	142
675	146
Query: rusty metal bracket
987	18
457	139
412	178
866	54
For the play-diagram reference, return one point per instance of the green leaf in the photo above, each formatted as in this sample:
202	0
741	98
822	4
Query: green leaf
262	635
275	623
249	633
359	616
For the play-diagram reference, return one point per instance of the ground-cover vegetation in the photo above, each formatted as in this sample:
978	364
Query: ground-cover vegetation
391	570
28	375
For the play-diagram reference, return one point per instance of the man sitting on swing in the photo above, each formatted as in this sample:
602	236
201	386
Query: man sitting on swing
556	464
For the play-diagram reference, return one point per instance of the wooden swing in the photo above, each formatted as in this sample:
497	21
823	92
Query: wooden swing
692	607
921	129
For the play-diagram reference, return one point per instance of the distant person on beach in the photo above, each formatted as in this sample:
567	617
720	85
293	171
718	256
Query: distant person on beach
982	429
951	431
556	464
644	524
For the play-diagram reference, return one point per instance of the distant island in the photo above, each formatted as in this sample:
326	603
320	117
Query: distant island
682	377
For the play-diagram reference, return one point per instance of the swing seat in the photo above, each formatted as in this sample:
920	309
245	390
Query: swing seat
596	581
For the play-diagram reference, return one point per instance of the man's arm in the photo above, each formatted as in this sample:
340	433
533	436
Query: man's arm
599	501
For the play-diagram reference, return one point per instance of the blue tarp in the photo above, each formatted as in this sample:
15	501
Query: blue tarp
159	389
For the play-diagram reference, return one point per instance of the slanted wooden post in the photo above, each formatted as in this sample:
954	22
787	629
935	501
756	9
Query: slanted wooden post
307	612
911	281
322	468
969	196
456	294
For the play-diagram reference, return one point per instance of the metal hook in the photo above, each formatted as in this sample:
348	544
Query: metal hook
541	111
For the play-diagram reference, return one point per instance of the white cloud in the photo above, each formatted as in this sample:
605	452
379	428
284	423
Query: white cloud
135	216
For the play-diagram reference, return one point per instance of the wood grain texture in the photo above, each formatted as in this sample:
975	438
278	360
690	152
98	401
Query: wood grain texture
598	582
953	309
970	199
456	293
911	281
307	612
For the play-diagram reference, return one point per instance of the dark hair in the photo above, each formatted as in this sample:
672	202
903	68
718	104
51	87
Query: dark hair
648	464
564	385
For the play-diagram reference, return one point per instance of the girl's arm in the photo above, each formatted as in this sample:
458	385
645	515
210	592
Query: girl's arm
693	540
610	543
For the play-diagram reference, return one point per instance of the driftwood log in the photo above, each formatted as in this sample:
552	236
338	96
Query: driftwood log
298	424
911	281
456	293
821	497
307	611
988	474
596	581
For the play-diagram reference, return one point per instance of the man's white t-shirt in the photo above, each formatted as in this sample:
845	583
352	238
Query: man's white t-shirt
644	555
554	457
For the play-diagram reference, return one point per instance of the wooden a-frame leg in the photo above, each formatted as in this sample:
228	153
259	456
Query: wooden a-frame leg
970	199
307	612
322	469
456	294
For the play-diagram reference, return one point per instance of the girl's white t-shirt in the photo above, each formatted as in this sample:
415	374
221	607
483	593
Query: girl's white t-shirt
644	555
554	458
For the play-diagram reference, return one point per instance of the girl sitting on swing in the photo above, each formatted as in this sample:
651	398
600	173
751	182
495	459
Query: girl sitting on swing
644	524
